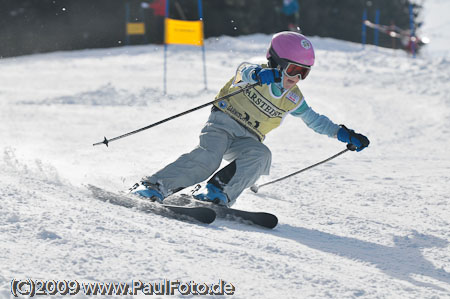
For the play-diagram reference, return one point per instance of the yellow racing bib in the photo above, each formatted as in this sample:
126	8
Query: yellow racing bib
258	109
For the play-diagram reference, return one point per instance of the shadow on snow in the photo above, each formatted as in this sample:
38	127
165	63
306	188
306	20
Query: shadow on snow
401	261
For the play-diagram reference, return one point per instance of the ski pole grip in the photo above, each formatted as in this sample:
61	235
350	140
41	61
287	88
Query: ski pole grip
351	147
277	79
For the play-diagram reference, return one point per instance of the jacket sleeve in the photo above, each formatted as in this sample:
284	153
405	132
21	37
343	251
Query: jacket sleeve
244	74
319	123
247	73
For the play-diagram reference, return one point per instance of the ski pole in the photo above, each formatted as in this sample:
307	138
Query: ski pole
350	147
107	141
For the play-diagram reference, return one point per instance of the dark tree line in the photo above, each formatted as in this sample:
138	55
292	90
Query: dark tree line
35	26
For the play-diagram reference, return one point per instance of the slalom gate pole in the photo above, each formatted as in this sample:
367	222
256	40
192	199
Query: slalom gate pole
107	141
350	147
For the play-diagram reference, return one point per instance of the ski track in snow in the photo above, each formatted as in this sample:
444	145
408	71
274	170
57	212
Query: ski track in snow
373	224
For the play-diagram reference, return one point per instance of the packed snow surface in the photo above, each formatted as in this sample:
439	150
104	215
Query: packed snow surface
372	224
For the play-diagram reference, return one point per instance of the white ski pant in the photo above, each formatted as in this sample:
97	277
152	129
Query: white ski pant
221	138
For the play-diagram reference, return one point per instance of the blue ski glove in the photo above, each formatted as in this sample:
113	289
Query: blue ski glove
349	136
266	76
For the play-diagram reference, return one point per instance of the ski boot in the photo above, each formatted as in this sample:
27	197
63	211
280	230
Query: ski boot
148	190
211	193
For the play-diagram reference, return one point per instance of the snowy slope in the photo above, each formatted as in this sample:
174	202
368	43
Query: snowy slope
437	27
373	224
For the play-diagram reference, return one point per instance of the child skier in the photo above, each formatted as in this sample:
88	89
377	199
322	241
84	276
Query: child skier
237	127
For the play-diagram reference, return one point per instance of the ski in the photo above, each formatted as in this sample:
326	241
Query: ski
202	214
263	219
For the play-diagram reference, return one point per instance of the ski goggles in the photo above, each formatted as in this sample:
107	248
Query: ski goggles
295	69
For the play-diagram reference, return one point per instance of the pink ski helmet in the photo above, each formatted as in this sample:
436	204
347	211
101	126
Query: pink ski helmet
289	46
